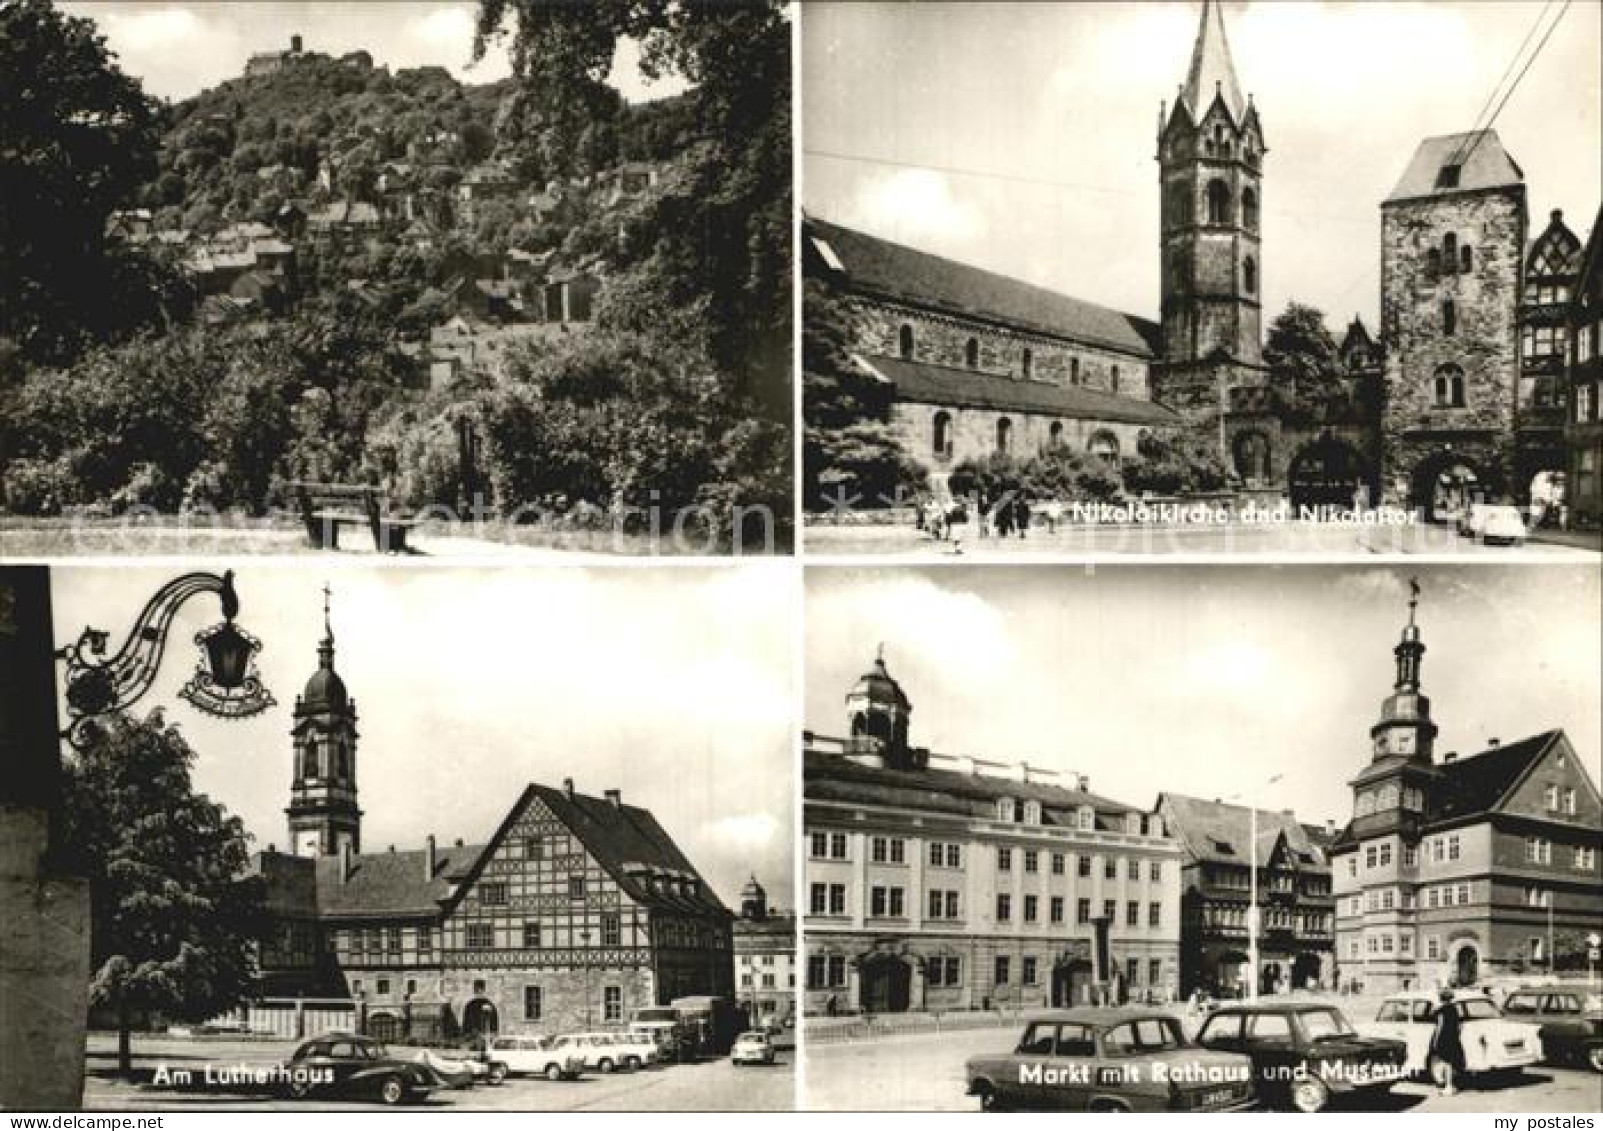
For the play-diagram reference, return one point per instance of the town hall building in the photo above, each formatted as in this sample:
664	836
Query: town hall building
1456	869
573	912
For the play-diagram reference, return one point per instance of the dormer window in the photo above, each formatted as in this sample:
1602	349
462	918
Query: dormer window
1004	809
1085	818
1032	812
1447	176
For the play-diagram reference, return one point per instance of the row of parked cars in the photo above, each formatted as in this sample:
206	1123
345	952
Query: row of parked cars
1294	1055
350	1066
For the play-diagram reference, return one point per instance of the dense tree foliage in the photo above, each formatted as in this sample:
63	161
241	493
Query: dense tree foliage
1306	379
200	417
707	260
174	921
77	138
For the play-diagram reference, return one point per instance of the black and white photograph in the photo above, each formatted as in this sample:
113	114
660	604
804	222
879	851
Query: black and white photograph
1201	277
425	277
442	839
1206	838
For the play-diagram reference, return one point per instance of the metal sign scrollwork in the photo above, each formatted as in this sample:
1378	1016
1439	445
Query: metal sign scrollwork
226	684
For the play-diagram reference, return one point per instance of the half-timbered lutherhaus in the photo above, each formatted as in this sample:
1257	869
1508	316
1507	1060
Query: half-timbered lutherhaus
1454	870
1297	927
938	882
1583	432
576	911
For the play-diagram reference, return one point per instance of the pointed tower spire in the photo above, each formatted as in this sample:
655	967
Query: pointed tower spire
325	649
1212	71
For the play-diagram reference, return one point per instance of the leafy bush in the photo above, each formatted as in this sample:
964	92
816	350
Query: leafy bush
38	487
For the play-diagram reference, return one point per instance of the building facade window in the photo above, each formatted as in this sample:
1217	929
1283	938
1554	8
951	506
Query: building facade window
1027	363
1004	435
904	342
612	1004
1249	209
1218	202
1449	388
941	435
971	353
1249	276
533	1003
1449	318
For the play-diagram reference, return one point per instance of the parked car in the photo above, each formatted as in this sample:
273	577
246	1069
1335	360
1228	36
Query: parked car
461	1071
752	1047
635	1050
1571	1032
1304	1054
1491	1044
1108	1060
604	1052
536	1056
1501	525
348	1065
675	1037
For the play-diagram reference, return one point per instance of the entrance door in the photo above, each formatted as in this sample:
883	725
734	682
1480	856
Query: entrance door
887	985
479	1019
1069	980
1469	966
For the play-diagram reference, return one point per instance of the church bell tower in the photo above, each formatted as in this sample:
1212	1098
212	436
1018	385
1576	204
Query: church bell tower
323	816
1210	156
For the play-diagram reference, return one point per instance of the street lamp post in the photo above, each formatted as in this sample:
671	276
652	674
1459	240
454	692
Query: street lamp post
1252	894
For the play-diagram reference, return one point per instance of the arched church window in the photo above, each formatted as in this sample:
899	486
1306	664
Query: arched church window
941	441
971	353
1449	386
1249	209
1218	202
1027	362
1249	276
1115	378
1074	371
1449	318
1054	436
1004	435
1466	258
904	344
1449	251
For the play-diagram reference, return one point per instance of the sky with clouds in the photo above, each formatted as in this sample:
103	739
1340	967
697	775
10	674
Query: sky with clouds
671	684
1207	680
179	49
1026	132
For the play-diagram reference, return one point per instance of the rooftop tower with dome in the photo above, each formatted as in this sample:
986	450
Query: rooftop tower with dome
323	814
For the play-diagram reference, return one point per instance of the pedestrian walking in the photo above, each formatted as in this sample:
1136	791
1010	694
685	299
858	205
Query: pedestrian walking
1446	1046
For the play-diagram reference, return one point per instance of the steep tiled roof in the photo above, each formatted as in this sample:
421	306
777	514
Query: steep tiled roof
1476	784
872	265
1488	166
829	777
628	842
1221	832
938	384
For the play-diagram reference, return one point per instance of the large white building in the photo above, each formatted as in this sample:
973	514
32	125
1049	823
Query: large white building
941	883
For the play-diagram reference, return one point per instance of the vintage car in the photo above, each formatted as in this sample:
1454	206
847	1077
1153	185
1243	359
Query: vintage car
1109	1060
1304	1053
608	1051
1571	1032
536	1056
347	1065
754	1047
1491	1044
462	1071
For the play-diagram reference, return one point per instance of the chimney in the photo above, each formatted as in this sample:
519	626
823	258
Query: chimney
345	860
1330	827
1082	783
1493	743
430	859
295	44
459	842
615	798
567	787
1450	756
1021	772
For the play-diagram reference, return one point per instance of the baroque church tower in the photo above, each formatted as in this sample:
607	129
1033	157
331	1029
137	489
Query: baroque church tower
1210	157
323	816
1391	793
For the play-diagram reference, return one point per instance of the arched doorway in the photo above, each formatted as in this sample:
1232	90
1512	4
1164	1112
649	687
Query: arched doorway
1251	452
1269	977
1447	484
480	1018
1327	472
384	1027
1467	966
1070	978
887	984
1305	970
